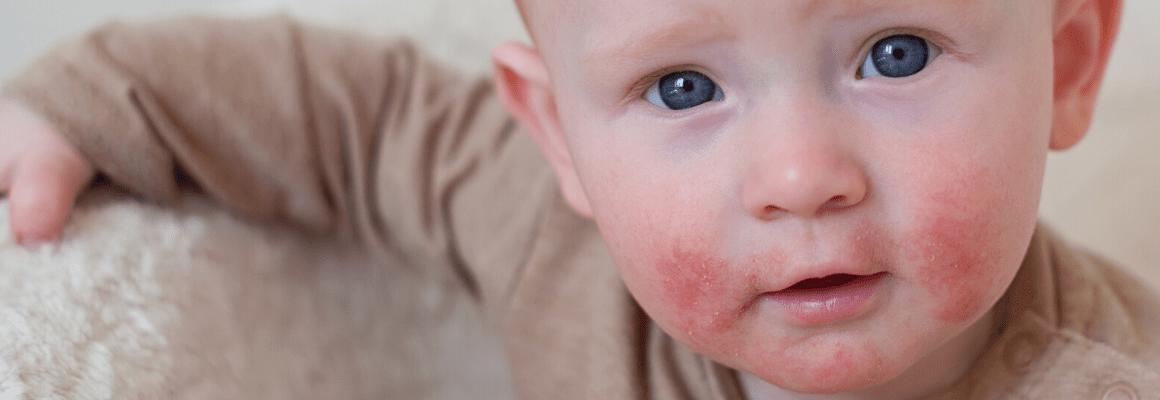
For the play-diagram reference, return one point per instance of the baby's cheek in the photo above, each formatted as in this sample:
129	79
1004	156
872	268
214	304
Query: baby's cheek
689	277
955	255
669	260
953	268
693	288
694	294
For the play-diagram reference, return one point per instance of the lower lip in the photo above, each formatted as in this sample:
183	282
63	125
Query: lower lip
829	305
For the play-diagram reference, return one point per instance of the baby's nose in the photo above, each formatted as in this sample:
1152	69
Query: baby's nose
806	180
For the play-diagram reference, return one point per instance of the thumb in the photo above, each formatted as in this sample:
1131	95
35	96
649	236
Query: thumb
44	188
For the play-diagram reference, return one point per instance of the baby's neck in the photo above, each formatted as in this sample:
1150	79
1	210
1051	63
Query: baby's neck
926	377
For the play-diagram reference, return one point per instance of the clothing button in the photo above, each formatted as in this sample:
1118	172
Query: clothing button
1120	391
1021	351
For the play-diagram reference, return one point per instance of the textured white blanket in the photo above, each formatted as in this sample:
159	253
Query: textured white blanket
139	302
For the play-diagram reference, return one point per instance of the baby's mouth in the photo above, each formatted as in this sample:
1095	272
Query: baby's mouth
827	282
823	282
828	299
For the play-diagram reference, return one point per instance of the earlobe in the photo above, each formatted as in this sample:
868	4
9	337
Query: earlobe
525	88
1084	33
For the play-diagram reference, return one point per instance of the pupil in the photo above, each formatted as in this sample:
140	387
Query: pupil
900	55
686	89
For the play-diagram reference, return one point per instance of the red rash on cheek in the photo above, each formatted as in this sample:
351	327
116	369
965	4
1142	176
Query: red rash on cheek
950	271
705	293
955	260
689	277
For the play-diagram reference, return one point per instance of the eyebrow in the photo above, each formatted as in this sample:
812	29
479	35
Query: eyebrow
818	7
846	8
688	30
707	25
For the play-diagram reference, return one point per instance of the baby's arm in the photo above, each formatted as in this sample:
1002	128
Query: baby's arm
258	113
325	130
274	119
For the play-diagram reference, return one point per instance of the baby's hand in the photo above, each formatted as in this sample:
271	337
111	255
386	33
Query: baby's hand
40	171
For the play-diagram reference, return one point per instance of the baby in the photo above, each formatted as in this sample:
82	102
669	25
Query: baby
748	199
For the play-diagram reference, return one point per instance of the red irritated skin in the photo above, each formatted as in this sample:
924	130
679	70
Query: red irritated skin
816	225
917	195
940	274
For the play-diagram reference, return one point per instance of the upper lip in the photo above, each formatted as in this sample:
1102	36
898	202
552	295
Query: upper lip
821	271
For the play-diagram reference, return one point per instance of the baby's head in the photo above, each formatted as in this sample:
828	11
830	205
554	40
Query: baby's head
732	151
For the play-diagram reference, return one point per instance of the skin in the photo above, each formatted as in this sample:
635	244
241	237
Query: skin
801	170
40	172
771	162
804	169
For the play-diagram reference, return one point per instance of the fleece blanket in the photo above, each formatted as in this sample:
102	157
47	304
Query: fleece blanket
139	302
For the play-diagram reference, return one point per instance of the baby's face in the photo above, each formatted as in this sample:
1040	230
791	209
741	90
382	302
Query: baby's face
733	151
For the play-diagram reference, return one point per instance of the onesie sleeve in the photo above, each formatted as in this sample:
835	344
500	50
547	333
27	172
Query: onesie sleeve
332	132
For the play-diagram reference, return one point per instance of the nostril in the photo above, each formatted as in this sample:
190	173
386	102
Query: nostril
836	203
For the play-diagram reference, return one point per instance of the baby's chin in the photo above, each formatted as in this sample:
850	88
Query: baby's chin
827	368
809	382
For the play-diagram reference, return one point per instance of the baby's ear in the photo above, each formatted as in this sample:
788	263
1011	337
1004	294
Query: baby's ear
524	87
1084	33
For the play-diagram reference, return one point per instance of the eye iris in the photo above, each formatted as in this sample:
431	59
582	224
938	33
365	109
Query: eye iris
900	55
686	89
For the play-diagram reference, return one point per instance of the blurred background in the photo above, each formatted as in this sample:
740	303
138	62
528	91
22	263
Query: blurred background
1105	194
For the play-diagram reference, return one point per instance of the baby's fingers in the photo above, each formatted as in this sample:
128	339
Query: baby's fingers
43	188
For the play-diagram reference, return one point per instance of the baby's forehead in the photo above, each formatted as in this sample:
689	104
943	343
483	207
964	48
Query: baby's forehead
600	29
629	10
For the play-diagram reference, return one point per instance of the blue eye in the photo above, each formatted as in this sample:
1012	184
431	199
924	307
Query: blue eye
682	90
898	56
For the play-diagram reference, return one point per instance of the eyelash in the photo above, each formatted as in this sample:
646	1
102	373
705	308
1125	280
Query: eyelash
638	89
945	45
